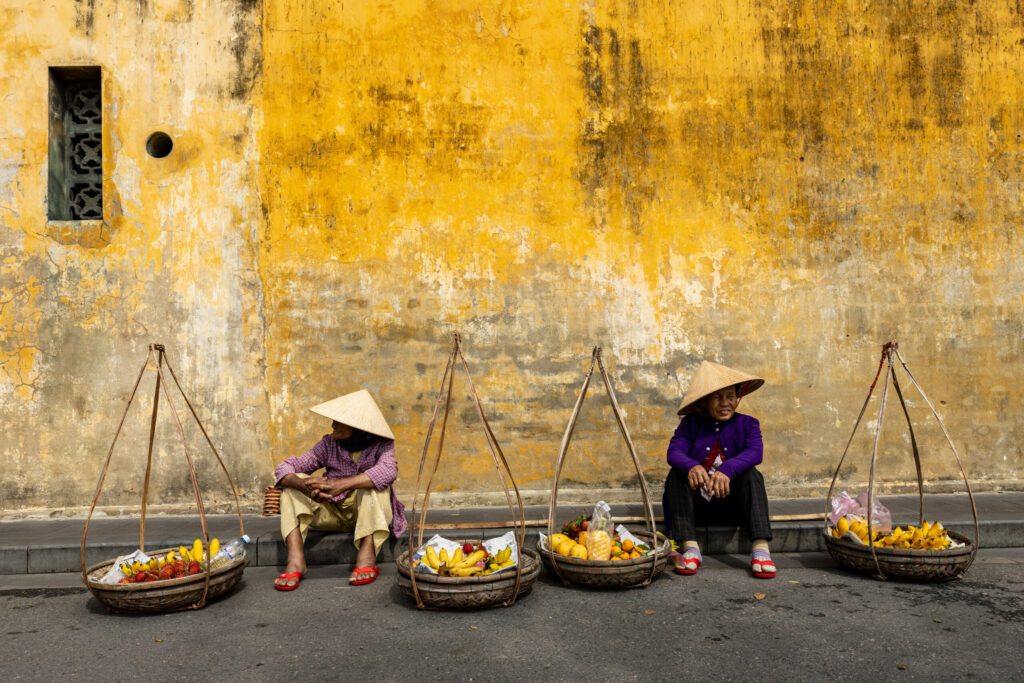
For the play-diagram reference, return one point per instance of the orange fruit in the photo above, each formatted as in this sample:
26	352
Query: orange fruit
627	545
634	554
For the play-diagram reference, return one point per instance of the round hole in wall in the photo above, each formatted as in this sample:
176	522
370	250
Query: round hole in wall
159	145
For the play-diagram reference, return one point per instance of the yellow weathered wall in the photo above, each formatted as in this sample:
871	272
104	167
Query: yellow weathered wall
780	186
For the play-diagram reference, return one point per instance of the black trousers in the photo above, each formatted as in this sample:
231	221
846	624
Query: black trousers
746	506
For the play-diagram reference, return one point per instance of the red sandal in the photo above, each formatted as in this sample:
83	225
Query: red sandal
375	571
288	576
767	570
680	561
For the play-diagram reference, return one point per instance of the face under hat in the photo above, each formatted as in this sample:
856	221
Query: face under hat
710	377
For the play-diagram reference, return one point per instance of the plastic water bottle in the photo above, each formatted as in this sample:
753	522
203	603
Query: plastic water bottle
229	552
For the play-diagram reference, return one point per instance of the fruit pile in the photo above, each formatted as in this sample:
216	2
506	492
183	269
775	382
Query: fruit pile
577	540
929	536
174	565
469	560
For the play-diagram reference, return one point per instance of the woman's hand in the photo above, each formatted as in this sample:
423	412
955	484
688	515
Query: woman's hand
719	485
698	476
304	485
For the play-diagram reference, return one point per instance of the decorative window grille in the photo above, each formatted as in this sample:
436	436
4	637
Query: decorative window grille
76	144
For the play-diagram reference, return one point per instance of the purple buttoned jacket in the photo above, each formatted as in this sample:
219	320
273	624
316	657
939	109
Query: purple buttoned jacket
377	462
695	436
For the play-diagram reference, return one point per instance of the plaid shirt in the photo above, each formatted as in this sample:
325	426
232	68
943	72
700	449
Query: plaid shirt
377	462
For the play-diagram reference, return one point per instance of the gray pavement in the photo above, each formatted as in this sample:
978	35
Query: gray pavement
52	545
813	622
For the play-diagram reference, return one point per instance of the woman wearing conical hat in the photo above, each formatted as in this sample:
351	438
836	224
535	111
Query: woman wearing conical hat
713	478
353	494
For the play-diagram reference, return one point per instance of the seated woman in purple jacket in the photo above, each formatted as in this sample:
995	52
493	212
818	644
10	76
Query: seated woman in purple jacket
713	479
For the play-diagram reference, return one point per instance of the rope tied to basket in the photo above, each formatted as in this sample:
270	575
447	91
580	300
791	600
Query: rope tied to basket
597	360
444	395
890	354
158	357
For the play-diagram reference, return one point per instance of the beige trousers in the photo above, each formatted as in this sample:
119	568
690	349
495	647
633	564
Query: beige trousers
365	512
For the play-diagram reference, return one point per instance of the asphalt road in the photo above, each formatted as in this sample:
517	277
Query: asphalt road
814	622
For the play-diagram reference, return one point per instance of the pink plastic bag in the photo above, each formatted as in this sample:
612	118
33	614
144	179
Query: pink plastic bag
843	505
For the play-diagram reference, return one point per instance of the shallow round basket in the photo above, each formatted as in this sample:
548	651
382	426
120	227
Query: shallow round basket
468	592
904	564
609	573
162	596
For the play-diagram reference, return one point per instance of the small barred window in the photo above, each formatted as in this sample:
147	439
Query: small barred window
76	144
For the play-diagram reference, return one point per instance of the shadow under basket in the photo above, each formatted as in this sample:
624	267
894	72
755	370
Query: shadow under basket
162	596
609	573
468	592
904	564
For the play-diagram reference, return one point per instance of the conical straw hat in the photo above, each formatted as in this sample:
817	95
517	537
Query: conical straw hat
358	410
710	377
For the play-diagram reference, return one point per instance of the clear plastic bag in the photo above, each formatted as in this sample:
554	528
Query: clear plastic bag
845	506
599	533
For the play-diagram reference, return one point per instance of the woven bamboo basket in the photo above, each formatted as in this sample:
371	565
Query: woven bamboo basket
639	572
162	596
900	563
608	573
471	592
904	564
191	592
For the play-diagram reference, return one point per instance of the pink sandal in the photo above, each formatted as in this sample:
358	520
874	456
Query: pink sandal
679	562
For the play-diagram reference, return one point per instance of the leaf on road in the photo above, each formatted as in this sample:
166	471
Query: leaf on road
648	612
759	596
901	666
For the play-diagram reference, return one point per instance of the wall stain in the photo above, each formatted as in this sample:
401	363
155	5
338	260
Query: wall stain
247	47
85	15
620	133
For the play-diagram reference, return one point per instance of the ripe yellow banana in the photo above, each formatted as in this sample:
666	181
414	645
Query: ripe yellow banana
214	547
466	571
433	561
469	561
443	556
197	550
456	557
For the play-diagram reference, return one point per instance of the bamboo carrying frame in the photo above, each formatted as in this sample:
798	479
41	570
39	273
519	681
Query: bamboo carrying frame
601	573
942	565
157	355
471	584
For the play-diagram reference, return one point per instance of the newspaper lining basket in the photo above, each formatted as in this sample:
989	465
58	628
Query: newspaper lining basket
162	596
470	592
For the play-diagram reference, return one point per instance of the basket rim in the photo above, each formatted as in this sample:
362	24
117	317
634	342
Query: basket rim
846	544
402	563
152	585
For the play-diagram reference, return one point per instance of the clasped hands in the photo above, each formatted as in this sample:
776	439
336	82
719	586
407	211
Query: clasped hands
717	483
323	489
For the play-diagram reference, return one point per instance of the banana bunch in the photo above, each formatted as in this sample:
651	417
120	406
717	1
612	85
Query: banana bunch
495	563
460	564
928	536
